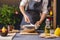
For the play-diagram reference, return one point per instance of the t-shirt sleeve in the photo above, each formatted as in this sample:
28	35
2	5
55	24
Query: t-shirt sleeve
44	8
23	2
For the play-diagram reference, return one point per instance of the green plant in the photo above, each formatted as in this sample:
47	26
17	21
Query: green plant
6	14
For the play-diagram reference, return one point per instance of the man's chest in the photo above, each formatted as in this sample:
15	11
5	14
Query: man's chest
34	1
37	0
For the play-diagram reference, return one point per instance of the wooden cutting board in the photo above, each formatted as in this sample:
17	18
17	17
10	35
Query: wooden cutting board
14	31
42	35
27	33
24	33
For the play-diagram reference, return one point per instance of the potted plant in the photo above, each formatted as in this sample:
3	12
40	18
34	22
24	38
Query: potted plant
7	17
6	14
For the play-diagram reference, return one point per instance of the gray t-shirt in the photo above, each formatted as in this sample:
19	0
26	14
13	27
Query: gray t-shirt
31	3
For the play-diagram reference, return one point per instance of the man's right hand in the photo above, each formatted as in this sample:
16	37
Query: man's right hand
26	19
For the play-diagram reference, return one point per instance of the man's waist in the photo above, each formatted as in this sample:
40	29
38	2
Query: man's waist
32	10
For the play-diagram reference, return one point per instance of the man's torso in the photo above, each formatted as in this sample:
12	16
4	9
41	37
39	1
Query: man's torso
34	5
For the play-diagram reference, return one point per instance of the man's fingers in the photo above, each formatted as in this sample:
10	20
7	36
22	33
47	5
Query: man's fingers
27	20
37	24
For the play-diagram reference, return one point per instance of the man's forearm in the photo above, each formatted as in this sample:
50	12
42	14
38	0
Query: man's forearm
22	10
43	16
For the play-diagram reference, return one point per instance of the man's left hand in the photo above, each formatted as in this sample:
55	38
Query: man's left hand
37	24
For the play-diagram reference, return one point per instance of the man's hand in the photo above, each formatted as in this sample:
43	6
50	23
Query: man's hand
26	19
37	24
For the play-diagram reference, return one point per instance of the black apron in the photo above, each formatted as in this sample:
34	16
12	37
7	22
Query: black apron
33	13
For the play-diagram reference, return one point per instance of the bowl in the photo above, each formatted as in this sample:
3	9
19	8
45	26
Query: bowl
28	28
4	34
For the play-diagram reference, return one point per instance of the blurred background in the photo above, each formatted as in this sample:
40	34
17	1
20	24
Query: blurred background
16	15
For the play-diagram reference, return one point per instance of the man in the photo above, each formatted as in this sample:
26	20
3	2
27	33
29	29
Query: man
34	11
